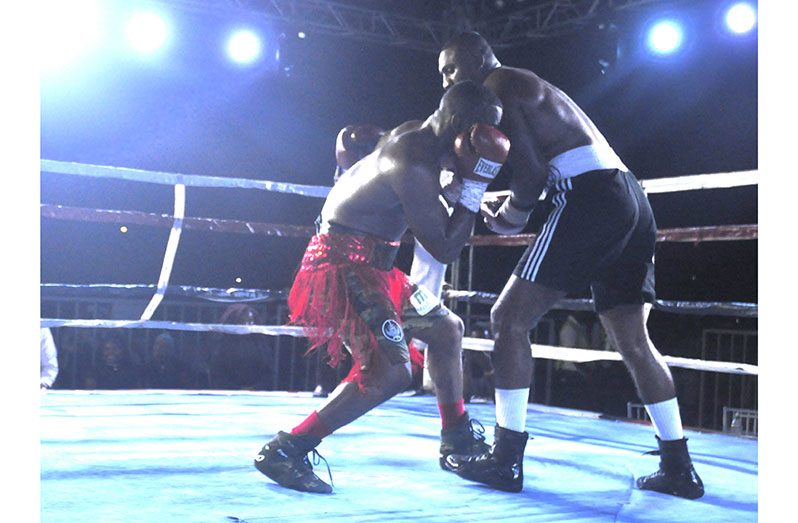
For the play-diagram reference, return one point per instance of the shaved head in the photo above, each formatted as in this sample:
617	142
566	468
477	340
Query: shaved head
467	56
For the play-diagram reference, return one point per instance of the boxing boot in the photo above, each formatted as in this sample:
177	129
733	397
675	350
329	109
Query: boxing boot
676	475
284	459
502	467
464	439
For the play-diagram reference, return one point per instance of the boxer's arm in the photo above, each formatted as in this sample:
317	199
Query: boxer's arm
528	168
479	154
417	188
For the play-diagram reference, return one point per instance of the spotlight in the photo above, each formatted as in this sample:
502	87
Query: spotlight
665	37
147	32
244	46
68	31
740	18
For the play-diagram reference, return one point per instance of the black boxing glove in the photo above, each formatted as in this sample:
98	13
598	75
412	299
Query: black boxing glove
480	153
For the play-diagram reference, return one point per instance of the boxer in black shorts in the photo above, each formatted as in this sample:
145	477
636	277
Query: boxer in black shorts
613	254
600	231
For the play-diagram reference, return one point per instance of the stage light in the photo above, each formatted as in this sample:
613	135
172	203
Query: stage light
69	30
244	46
740	18
665	37
147	32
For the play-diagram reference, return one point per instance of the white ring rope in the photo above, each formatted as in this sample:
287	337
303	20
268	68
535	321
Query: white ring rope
701	181
660	185
548	352
192	180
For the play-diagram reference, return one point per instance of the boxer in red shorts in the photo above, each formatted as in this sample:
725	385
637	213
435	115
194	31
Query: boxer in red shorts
348	294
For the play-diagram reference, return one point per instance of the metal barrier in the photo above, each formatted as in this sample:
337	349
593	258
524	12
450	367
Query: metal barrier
720	391
637	411
741	422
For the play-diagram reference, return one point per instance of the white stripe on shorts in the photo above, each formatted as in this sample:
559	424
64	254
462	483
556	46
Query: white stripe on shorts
532	264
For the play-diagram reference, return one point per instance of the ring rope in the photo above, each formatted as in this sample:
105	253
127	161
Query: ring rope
62	212
479	344
165	178
233	295
660	185
736	309
230	295
685	234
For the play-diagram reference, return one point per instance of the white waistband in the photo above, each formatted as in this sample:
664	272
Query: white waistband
583	159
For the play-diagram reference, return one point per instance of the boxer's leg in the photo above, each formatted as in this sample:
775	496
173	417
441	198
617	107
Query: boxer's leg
442	331
384	369
517	311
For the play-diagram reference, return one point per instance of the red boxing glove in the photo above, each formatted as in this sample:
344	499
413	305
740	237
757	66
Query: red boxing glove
480	152
354	142
479	155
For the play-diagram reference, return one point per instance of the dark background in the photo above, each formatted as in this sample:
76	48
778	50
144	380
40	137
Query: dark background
191	111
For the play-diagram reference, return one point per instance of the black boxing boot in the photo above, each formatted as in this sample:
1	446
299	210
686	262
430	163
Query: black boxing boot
464	439
502	467
676	475
284	459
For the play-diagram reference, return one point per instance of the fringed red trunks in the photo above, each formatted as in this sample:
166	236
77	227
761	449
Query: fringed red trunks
346	283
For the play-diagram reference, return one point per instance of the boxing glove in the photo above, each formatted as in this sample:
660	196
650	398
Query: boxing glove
479	155
354	142
508	219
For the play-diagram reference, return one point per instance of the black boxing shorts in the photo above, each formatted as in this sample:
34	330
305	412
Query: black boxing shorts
600	232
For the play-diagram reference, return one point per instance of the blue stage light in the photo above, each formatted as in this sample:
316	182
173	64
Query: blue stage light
244	46
740	18
147	32
68	32
665	37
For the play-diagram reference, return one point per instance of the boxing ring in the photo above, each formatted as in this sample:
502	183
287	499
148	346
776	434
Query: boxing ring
185	455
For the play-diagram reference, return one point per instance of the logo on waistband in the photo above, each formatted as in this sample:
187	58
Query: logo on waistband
392	331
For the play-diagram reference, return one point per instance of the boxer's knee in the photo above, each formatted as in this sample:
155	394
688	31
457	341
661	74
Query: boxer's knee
635	347
505	321
443	333
449	333
395	380
382	382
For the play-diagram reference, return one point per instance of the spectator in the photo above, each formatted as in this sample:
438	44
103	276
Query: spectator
239	360
114	368
75	359
163	368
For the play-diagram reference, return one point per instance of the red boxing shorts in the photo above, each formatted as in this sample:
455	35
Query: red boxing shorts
347	294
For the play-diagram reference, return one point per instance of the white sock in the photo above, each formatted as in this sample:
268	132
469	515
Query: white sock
511	405
666	419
